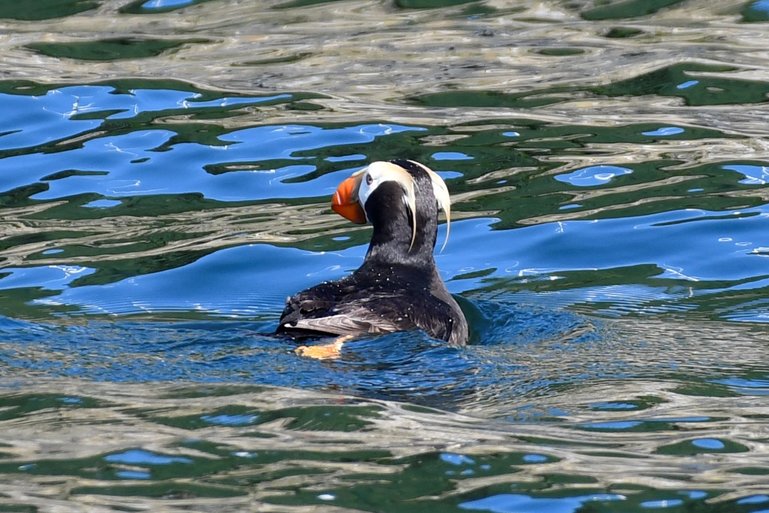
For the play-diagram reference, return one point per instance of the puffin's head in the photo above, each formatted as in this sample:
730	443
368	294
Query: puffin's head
350	198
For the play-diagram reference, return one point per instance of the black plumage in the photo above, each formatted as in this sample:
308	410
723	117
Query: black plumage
398	286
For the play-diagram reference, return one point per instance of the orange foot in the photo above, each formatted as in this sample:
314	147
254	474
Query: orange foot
330	351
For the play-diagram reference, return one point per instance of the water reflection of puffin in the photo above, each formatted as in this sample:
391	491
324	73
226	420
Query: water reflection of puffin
398	286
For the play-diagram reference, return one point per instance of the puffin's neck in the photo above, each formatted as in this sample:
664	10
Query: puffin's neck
391	243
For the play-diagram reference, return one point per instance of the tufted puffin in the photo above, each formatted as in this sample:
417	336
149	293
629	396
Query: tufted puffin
398	287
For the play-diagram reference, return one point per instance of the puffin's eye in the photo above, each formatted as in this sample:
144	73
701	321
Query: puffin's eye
369	179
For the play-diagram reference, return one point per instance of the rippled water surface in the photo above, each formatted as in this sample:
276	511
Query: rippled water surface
165	174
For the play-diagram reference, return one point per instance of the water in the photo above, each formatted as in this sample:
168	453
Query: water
165	174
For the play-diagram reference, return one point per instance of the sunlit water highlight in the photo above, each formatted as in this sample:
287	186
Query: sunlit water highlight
165	171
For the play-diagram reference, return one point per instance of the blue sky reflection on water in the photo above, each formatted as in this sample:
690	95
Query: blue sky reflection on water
507	503
275	162
130	165
231	281
33	120
146	162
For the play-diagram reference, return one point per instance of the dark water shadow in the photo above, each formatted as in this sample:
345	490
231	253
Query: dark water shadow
406	367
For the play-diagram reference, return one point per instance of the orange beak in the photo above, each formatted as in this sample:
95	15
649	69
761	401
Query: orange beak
345	200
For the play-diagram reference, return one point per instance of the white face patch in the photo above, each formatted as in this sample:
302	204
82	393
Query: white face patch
378	172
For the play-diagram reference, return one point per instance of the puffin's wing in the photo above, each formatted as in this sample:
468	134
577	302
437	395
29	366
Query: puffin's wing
356	322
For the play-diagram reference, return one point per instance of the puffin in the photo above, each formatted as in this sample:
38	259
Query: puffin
398	287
